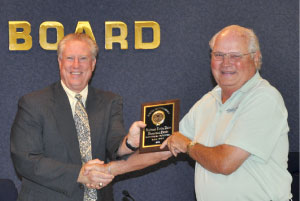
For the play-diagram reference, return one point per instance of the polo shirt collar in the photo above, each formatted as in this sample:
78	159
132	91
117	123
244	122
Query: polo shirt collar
217	91
250	83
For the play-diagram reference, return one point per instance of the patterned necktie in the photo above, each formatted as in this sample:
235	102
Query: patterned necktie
84	138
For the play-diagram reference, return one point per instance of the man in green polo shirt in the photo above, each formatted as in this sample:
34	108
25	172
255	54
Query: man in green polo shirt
237	133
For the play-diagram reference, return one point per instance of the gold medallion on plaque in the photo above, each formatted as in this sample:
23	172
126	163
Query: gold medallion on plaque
158	117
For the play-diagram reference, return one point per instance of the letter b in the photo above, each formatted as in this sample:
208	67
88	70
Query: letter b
14	35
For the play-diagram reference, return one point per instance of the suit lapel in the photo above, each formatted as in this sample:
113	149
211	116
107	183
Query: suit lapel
66	123
93	106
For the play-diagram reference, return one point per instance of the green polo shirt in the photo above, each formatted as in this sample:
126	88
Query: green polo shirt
254	119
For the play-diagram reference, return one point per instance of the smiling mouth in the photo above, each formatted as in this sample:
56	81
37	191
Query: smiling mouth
227	73
76	73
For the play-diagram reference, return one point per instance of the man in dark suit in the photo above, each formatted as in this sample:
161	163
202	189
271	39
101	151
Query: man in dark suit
47	147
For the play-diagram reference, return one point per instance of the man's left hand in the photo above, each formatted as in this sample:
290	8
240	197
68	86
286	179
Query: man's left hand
133	137
177	143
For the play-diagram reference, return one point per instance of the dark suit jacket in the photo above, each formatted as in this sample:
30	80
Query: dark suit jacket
45	148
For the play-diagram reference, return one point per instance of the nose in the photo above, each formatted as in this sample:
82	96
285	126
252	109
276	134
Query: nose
75	63
226	60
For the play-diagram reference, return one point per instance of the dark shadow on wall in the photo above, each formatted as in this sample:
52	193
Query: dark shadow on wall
293	167
162	164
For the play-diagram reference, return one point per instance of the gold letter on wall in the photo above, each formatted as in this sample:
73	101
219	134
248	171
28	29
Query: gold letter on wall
139	25
110	39
43	34
14	35
84	26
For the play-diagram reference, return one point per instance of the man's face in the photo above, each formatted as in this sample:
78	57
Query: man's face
76	65
231	74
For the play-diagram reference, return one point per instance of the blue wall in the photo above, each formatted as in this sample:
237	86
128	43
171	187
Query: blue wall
179	68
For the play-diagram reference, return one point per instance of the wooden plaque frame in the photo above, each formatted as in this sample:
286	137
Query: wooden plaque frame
162	119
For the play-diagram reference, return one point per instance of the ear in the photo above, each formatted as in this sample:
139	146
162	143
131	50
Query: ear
94	64
59	62
257	56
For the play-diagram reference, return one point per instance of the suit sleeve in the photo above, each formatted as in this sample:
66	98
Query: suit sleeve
116	131
28	155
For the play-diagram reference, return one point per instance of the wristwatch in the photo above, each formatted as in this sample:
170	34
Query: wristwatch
129	146
189	146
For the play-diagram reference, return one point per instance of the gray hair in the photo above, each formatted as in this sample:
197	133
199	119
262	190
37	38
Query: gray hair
81	37
253	45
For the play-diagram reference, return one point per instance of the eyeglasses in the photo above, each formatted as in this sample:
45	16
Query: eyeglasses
233	56
81	59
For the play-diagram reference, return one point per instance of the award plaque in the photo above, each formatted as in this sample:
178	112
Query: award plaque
162	119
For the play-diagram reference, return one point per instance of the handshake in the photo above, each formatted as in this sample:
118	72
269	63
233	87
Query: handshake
95	174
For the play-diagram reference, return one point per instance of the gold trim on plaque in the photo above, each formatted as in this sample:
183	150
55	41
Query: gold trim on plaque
173	109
